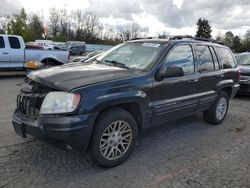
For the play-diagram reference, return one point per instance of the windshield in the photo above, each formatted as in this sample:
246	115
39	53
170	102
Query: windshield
132	55
243	59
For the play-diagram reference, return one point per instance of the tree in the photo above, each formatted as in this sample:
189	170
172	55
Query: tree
164	35
54	22
204	29
219	37
229	39
18	24
34	30
246	42
91	25
132	30
237	44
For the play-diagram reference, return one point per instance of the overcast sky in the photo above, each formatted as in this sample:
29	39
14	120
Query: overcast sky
174	16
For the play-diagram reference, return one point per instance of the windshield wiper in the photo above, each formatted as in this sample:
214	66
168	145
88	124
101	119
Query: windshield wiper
117	64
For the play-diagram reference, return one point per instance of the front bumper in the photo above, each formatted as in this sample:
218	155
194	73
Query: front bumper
68	132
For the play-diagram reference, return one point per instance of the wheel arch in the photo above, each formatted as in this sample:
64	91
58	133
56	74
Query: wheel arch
134	108
53	60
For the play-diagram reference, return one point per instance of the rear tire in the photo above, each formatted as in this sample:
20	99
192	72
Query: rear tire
114	137
218	111
48	64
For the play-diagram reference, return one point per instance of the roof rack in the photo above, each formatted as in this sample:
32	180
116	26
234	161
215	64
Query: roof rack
179	37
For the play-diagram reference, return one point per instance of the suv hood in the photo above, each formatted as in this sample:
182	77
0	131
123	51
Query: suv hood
73	75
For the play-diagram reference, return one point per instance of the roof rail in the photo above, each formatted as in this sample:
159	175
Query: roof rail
140	38
179	37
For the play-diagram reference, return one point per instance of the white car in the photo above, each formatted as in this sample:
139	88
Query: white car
46	44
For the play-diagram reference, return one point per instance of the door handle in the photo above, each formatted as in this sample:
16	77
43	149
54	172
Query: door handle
193	81
220	76
5	53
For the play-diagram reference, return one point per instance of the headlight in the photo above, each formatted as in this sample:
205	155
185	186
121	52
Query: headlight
60	102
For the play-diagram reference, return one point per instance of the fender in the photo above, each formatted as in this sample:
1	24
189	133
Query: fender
229	83
225	83
101	102
97	104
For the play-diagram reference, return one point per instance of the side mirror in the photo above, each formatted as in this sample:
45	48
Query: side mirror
169	72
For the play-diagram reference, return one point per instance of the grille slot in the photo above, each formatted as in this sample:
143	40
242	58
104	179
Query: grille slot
30	99
29	104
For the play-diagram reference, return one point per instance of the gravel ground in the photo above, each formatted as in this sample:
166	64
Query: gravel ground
182	153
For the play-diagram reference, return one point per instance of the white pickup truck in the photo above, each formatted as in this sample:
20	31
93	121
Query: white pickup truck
13	54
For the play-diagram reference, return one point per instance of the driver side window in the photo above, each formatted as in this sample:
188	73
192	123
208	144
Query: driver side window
181	56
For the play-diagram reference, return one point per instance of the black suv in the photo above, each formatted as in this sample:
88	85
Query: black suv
103	104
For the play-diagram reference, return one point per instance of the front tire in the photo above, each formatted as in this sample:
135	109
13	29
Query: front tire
218	111
114	137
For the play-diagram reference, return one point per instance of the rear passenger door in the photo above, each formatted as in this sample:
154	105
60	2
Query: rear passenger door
16	53
210	75
4	54
227	62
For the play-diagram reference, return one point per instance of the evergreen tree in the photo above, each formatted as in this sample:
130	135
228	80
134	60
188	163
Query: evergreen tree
229	39
237	44
204	29
18	24
34	30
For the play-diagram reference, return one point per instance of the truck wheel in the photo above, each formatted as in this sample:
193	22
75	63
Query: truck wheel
48	64
113	138
218	111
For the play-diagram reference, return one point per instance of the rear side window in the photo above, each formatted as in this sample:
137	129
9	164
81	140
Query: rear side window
14	43
181	56
2	45
205	59
215	58
226	58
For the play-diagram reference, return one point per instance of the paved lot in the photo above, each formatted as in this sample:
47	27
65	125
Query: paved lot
183	153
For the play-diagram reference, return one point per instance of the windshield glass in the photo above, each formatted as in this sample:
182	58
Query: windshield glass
132	55
243	59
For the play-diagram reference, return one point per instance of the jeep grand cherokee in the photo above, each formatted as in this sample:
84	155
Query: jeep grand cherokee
103	104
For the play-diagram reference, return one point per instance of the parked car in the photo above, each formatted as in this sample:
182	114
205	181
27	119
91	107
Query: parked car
83	58
14	54
243	60
60	46
46	44
76	47
102	105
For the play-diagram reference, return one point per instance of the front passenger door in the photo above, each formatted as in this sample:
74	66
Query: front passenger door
16	53
4	55
175	97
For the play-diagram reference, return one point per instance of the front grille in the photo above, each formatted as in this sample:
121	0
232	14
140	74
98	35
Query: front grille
30	99
245	74
244	78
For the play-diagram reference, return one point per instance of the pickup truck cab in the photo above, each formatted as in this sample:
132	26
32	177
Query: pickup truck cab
103	104
14	55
